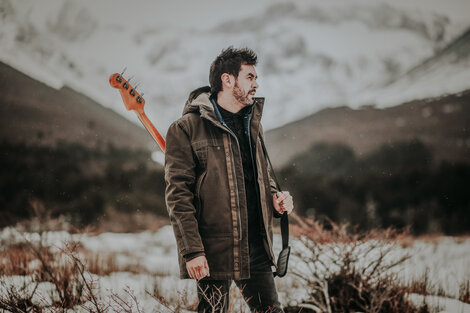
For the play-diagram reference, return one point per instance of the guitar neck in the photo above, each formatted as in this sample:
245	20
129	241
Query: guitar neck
134	101
151	129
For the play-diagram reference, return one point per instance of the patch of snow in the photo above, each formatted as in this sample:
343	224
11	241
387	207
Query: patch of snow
445	261
441	304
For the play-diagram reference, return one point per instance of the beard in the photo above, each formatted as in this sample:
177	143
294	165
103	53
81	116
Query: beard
241	96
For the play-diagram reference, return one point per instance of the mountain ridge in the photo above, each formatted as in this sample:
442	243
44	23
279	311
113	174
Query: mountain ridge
441	123
312	55
33	113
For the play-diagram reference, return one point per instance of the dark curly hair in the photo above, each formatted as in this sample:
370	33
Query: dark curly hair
229	61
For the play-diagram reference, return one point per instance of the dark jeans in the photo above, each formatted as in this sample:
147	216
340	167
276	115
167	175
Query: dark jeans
259	292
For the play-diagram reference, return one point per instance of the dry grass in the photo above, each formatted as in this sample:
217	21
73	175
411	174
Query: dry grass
342	270
64	269
68	271
68	291
349	271
16	260
27	259
124	222
114	221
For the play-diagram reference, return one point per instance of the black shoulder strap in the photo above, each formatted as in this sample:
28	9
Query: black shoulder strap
284	218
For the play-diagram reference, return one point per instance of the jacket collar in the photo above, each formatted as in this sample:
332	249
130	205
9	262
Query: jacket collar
209	111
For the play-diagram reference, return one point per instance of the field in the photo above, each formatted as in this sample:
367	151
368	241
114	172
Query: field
60	271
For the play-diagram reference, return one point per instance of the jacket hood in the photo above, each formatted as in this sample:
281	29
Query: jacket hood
203	105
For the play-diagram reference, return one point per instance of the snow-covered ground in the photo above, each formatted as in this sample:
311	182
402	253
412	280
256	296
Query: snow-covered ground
153	257
313	54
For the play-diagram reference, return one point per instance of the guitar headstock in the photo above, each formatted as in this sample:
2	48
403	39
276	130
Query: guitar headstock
131	98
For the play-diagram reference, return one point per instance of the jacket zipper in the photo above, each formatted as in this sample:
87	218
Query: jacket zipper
240	236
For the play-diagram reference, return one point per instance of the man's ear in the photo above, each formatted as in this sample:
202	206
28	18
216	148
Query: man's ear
227	80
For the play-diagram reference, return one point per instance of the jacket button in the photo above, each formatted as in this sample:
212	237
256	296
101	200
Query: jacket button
235	264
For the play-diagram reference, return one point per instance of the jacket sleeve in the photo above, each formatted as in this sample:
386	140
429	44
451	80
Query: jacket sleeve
272	183
274	190
180	178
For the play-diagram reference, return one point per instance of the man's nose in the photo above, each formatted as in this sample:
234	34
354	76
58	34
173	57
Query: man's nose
255	84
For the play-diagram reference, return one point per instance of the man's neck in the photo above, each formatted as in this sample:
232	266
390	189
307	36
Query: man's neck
228	102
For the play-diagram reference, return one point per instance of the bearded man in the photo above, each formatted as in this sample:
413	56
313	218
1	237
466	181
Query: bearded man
219	193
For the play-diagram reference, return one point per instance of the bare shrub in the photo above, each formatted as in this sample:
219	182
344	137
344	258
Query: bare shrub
66	272
464	292
67	275
62	274
348	271
19	299
178	302
119	304
215	299
71	284
420	286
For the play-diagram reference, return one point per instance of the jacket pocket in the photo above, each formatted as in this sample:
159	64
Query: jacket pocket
200	149
208	149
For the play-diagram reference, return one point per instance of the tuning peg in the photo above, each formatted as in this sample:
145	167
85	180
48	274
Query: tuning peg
132	92
124	70
130	78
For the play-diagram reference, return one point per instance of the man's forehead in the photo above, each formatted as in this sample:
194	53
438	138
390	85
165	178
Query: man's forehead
248	69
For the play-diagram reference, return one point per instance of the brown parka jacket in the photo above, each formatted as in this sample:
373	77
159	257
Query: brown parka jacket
205	192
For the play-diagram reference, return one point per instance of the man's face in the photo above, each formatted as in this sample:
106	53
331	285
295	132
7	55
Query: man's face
245	85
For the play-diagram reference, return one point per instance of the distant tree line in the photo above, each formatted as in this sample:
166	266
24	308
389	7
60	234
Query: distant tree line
399	184
77	181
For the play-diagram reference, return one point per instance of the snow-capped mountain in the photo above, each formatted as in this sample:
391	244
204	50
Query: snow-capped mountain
313	54
446	72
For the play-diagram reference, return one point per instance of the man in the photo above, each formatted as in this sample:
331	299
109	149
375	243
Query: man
219	193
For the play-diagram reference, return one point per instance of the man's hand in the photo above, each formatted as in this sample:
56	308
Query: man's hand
198	267
283	202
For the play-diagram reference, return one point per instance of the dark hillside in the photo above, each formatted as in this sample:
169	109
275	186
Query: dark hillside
442	124
72	156
32	112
